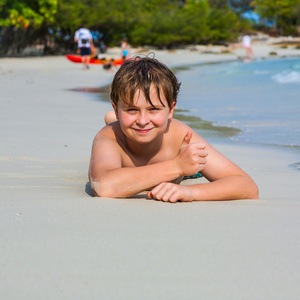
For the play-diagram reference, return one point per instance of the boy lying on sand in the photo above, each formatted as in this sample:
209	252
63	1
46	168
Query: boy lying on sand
146	149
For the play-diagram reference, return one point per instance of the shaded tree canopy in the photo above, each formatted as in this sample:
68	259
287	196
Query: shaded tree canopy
23	22
240	6
160	23
27	12
285	14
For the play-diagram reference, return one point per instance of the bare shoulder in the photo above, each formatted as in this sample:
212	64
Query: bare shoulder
106	131
178	129
109	133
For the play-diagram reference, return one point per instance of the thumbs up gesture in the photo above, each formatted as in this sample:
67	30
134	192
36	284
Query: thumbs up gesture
187	138
191	157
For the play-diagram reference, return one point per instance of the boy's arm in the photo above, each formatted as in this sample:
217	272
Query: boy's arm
109	178
235	184
227	182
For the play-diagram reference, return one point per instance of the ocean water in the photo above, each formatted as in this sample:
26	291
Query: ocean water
256	102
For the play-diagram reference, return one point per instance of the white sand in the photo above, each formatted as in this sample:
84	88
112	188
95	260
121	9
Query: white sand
58	242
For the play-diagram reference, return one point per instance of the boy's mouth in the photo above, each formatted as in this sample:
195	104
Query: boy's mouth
142	131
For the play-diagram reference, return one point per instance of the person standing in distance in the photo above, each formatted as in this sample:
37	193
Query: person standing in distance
246	41
125	49
84	39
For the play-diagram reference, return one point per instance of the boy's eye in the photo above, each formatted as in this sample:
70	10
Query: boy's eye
131	109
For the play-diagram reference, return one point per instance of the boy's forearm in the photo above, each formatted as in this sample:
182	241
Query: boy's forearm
125	182
229	188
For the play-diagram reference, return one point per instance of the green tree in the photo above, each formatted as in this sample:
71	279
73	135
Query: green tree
224	25
195	21
22	22
218	4
168	24
23	13
161	23
285	13
240	6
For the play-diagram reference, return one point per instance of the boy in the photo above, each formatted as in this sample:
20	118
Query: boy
146	149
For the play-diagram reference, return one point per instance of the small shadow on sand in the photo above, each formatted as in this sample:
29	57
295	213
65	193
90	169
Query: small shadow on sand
140	196
88	189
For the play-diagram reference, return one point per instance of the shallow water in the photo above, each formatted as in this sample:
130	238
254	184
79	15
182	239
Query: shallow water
256	102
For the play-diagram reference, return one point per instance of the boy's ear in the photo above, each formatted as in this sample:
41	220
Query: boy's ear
170	116
115	109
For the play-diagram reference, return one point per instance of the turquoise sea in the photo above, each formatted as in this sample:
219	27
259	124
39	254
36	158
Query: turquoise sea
256	102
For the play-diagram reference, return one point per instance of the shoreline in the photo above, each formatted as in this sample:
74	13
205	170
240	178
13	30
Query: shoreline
59	242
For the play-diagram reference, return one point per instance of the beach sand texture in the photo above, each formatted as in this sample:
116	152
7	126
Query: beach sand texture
58	242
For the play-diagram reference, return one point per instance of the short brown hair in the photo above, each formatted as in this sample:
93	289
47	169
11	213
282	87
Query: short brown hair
139	73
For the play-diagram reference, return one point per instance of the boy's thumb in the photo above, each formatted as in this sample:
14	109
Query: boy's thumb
187	138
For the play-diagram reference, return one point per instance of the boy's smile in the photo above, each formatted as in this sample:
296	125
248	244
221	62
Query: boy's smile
142	131
142	122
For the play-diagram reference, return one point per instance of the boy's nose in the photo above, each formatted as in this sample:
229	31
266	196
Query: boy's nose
142	118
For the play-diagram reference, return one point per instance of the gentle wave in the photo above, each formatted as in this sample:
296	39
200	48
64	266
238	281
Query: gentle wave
287	77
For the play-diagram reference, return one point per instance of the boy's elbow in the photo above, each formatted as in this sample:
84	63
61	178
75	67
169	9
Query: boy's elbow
253	192
253	195
96	188
99	189
246	188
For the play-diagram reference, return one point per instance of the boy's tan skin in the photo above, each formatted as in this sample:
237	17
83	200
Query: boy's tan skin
146	149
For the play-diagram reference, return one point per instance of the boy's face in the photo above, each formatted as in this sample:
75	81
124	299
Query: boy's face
142	122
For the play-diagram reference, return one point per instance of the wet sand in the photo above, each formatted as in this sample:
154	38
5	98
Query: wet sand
59	242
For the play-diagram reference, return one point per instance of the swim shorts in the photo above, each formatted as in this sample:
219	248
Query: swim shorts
85	51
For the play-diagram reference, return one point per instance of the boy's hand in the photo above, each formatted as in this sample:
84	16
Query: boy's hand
191	156
170	192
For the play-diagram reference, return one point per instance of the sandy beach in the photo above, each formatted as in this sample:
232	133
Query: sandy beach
59	242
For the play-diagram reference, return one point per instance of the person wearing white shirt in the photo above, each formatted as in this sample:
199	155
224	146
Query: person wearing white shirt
246	42
84	39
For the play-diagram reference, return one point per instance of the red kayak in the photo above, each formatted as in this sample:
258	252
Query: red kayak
98	61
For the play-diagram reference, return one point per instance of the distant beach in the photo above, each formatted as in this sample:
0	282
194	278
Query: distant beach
60	242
